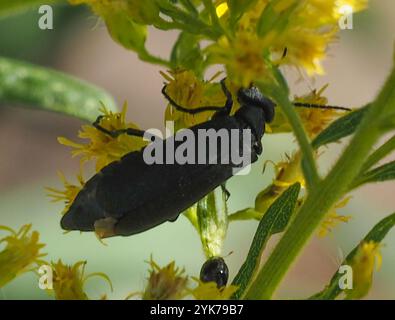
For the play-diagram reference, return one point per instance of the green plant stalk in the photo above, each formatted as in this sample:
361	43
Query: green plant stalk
310	168
145	56
321	198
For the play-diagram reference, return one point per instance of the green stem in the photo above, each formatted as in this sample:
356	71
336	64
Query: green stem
308	163
321	198
147	57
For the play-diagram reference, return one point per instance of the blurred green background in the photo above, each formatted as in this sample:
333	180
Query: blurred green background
356	66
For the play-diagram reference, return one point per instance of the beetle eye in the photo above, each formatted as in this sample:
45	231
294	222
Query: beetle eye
216	270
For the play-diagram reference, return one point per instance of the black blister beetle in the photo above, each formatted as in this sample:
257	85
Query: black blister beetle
129	196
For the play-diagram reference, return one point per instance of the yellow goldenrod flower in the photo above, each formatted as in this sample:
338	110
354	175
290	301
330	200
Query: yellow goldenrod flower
301	28
190	92
167	283
333	219
210	291
69	280
68	194
287	173
363	264
242	56
314	119
21	254
101	147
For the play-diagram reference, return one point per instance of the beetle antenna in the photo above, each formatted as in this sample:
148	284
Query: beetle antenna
222	109
319	106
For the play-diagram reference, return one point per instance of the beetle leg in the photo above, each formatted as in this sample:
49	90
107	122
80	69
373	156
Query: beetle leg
105	228
227	108
219	110
226	191
116	133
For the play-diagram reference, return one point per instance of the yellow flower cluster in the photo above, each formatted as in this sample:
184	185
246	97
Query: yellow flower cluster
101	147
69	280
167	283
22	253
287	173
242	56
190	92
210	291
68	194
170	283
280	32
332	219
363	264
314	119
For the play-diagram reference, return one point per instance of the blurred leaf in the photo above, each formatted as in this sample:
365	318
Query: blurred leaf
130	35
340	128
237	8
275	220
271	19
186	53
8	7
184	20
377	234
383	173
188	4
125	31
42	88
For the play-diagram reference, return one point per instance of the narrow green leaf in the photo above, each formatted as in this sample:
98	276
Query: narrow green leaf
125	31
275	220
8	7
379	154
340	128
377	234
237	9
383	173
41	88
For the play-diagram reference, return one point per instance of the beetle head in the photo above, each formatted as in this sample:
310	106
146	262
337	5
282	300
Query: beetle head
252	97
